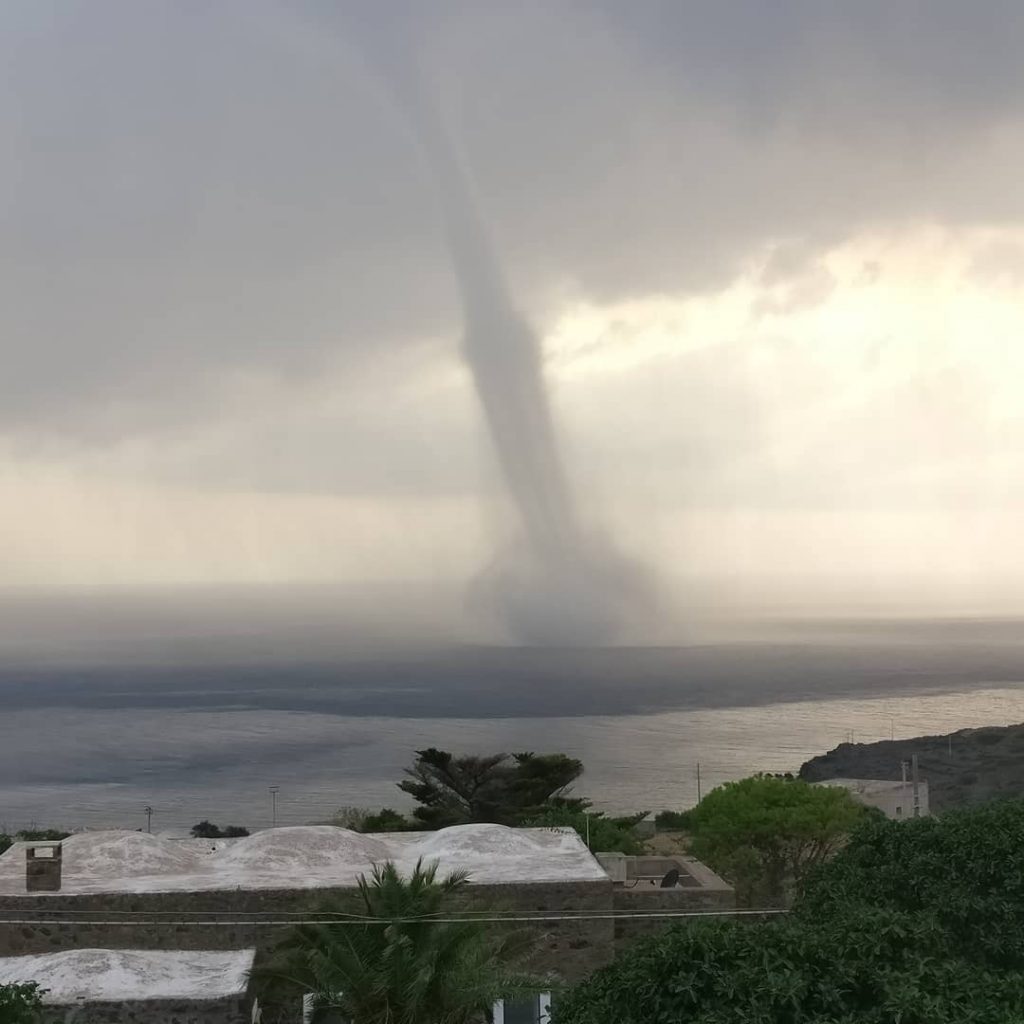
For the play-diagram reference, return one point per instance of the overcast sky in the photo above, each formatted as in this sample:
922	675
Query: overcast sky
775	252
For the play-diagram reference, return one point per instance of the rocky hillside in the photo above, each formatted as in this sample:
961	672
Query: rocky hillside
965	767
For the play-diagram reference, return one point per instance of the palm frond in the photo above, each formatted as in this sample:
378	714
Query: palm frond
411	968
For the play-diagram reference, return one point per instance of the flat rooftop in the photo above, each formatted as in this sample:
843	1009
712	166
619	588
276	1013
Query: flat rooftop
309	856
117	975
646	872
867	787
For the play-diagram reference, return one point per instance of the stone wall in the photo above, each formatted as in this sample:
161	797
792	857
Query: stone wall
233	1010
45	923
689	900
570	949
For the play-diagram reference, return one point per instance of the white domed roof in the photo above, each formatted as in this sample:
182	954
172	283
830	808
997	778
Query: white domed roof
315	848
484	839
118	854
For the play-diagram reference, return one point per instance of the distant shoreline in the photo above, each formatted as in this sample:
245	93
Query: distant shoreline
968	766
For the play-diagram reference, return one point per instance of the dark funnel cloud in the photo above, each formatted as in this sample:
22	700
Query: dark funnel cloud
558	583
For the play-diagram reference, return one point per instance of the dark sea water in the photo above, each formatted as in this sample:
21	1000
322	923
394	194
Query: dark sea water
92	743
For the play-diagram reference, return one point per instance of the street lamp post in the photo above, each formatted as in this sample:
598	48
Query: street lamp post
273	805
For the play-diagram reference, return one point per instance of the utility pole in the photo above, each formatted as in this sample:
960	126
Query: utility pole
149	817
698	783
273	805
586	814
917	795
903	769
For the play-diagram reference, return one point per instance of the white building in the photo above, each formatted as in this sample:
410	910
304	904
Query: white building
895	800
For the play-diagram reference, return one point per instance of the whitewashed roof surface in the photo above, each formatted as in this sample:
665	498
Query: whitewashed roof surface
308	856
115	975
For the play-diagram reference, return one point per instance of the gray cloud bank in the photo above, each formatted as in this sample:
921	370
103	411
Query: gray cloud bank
192	189
212	222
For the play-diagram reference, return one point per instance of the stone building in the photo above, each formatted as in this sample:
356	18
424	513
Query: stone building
131	891
644	888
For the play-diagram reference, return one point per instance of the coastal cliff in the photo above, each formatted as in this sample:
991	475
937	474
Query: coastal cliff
964	767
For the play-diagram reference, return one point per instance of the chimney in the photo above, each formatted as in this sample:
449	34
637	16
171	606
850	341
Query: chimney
42	867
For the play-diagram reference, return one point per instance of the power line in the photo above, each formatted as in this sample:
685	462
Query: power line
330	917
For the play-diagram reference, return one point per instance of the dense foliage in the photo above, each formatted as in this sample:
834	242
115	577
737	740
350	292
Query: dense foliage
916	922
502	788
859	965
408	969
672	821
362	819
207	830
387	820
766	832
965	868
601	833
20	1004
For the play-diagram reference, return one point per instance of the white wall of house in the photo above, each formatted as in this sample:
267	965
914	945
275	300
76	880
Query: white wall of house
894	799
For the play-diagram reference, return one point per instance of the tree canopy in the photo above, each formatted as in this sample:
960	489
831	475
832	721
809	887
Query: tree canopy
410	968
965	868
858	965
207	830
602	833
767	831
502	788
916	922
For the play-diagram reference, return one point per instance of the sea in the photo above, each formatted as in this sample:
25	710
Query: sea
295	732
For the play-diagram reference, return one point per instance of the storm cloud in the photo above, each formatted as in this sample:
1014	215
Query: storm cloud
224	270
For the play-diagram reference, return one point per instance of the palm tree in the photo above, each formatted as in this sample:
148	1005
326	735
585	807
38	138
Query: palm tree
417	966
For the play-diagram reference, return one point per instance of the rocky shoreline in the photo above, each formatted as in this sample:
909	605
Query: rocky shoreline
965	767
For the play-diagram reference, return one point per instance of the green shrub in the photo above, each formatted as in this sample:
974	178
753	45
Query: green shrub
965	868
863	966
672	821
387	820
20	1004
207	830
916	922
605	835
765	832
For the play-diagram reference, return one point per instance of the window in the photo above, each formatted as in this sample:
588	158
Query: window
534	1009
